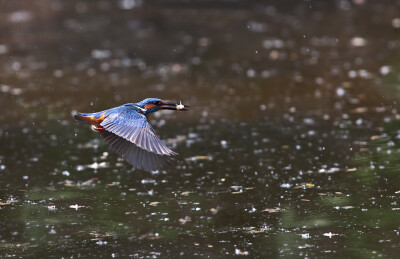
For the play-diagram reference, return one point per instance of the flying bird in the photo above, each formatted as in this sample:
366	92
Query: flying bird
126	129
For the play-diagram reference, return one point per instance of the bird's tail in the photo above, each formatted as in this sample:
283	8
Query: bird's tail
80	118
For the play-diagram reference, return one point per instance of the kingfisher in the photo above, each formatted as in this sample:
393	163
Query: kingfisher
126	129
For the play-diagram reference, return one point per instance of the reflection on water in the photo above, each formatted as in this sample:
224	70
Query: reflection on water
290	148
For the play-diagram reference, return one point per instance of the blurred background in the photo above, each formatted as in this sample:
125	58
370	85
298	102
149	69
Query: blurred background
290	148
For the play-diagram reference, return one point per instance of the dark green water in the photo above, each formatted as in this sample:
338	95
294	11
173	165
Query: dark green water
291	147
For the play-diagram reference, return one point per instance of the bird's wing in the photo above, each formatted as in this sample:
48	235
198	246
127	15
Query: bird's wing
135	128
136	156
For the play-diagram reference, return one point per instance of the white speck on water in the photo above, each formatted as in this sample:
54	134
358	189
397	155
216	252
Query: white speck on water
240	252
101	242
20	16
364	74
66	173
286	185
58	73
330	234
3	49
311	132
25	177
319	80
224	144
305	236
251	73
52	207
148	181
358	42
273	43
309	121
129	4
317	93
101	53
396	23
385	70
256	26
76	206
352	74
359	121
16	66
52	231
340	91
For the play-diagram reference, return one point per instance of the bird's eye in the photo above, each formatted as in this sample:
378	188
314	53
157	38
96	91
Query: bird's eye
157	103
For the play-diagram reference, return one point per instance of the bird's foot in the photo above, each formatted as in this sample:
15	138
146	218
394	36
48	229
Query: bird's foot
100	128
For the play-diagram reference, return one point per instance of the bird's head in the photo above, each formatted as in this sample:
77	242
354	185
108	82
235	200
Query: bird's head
155	104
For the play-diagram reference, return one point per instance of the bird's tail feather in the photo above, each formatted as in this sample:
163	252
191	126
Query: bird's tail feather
79	118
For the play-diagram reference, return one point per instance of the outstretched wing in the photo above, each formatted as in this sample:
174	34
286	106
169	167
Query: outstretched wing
134	127
136	156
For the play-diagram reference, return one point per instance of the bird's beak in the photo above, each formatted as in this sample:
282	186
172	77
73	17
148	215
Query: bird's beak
173	106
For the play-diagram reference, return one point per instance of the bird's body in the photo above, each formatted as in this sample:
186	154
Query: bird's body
126	129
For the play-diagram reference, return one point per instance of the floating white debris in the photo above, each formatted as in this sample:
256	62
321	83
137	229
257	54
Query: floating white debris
256	26
385	70
3	49
396	23
20	16
309	121
273	43
330	234
305	236
364	74
185	220
129	4
101	242
358	42
251	73
101	53
95	165
65	173
286	185
340	91
11	90
154	203
352	74
76	206
240	252
52	207
197	158
224	144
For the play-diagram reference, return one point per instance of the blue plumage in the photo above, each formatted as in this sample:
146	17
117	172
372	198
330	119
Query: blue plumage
126	129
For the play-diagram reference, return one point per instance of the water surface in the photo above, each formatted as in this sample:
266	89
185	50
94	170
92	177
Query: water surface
291	146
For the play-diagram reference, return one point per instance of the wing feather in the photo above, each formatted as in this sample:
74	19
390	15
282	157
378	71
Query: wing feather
138	157
134	127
